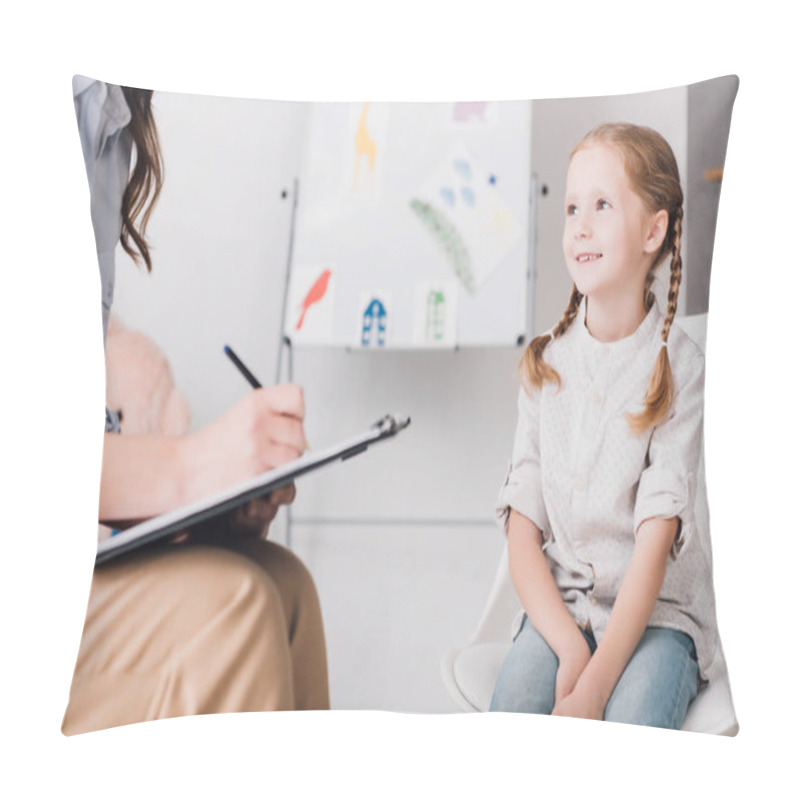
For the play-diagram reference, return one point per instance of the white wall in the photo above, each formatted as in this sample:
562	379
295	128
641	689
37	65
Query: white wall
220	236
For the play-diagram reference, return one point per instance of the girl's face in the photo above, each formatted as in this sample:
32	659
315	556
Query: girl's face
609	235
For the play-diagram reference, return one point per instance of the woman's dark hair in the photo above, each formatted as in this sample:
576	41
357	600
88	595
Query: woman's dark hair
146	179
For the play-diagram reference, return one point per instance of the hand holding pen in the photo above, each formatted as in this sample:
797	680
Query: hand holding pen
262	431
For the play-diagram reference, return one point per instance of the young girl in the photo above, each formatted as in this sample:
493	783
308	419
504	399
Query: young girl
598	502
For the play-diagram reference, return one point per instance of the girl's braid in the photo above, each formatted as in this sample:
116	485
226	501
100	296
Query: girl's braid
569	314
533	369
660	389
675	274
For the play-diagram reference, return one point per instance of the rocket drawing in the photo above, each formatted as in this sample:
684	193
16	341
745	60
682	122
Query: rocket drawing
315	294
374	324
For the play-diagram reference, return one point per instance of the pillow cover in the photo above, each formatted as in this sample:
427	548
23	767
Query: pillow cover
436	232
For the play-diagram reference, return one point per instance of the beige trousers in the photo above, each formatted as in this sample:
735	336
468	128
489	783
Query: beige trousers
198	629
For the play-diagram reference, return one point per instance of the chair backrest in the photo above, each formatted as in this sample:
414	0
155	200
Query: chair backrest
501	606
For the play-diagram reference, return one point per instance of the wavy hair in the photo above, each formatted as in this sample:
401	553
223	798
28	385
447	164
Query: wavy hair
144	184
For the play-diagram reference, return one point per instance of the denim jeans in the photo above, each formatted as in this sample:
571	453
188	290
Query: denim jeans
655	688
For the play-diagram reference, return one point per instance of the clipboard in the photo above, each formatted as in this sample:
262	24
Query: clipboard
172	522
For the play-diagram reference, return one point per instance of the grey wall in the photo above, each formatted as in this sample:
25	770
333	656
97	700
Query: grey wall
709	121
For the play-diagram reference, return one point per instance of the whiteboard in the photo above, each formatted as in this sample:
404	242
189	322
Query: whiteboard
413	226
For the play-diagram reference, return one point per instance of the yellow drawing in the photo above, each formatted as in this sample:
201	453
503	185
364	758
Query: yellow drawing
365	147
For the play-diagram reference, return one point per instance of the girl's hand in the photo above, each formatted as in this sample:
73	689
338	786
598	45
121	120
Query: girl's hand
570	668
583	702
262	431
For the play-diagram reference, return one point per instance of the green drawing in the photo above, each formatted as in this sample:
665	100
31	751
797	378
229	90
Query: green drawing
449	238
435	316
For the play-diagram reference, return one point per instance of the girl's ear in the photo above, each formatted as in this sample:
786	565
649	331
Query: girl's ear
655	234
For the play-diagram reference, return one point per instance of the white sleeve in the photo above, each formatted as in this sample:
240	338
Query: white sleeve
668	484
522	489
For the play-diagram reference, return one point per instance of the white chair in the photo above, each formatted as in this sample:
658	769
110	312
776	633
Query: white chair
469	672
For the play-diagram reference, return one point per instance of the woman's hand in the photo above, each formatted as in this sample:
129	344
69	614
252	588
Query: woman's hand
148	474
262	431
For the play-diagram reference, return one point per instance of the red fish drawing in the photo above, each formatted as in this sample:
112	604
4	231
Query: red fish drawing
315	294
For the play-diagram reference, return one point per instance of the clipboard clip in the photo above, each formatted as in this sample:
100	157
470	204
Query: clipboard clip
392	423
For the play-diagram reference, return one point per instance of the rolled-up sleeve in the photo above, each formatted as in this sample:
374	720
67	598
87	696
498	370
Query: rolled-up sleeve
668	485
522	489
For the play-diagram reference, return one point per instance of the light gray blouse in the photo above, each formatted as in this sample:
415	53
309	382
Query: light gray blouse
103	116
587	481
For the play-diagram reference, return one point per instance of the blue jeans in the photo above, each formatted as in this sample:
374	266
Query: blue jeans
655	688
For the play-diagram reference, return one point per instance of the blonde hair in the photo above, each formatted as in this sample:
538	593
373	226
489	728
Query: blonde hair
651	168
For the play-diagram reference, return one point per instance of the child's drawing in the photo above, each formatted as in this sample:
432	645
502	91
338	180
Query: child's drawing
375	309
366	146
314	295
475	113
449	239
310	307
462	207
436	313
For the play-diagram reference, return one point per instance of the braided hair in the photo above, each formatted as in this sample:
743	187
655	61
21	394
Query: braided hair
652	170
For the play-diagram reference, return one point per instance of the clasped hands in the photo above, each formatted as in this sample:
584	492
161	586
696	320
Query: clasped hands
576	694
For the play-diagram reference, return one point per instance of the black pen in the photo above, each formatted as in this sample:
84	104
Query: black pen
249	377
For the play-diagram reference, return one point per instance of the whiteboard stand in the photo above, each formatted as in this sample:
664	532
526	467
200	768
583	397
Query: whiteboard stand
284	342
448	203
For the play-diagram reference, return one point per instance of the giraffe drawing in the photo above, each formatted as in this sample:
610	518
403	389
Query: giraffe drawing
365	148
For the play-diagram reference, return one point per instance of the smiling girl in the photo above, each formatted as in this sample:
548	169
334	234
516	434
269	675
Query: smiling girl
598	504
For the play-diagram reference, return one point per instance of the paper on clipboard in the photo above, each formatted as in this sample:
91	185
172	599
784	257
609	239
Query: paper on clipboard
173	522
